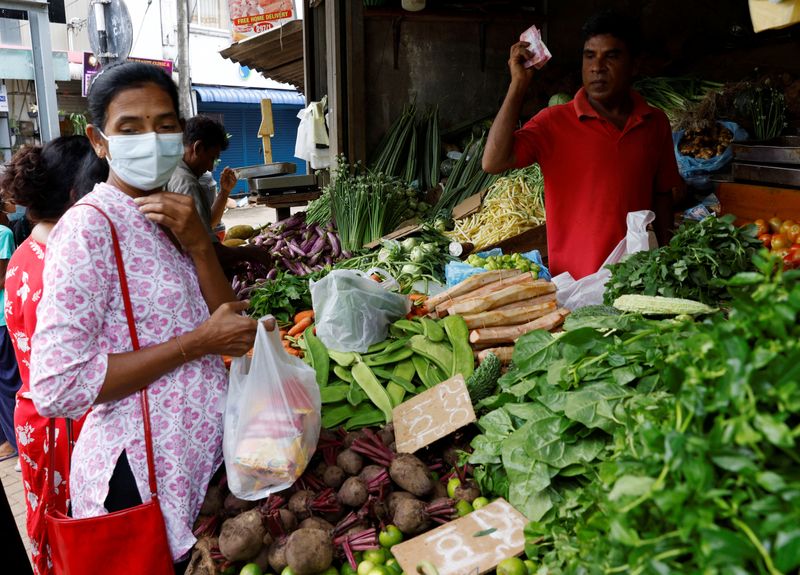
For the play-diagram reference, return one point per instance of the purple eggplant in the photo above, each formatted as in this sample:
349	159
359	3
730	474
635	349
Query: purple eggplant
336	249
315	258
318	245
273	273
296	250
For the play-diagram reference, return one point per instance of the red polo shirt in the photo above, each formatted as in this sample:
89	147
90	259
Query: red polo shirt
594	174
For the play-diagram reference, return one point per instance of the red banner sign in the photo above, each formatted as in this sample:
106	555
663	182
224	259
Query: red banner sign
252	17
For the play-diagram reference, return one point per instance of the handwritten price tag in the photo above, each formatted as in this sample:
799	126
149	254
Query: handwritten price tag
473	544
432	414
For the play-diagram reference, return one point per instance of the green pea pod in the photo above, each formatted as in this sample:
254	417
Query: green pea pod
458	334
373	388
380	346
438	353
408	326
366	419
405	370
345	359
320	360
343	373
334	393
427	371
355	395
432	330
391	358
396	379
334	416
396	393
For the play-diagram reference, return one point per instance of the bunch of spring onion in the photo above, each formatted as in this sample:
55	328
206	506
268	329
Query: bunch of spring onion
767	108
366	205
514	203
674	95
466	179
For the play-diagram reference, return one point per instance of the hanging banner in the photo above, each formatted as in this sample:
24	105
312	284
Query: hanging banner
252	17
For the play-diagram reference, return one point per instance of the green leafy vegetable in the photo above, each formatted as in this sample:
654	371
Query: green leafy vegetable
282	297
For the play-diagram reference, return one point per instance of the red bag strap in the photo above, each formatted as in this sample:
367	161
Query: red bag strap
126	300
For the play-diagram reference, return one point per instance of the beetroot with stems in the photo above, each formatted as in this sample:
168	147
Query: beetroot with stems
386	434
354	491
370	472
277	554
412	516
316	523
394	498
354	542
304	503
350	462
334	476
467	491
351	437
407	470
242	537
309	551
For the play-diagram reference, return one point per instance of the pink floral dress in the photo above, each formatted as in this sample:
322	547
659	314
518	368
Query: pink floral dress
82	321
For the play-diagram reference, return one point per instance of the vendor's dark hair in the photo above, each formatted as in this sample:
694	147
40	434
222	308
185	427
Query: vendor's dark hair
119	77
43	178
206	130
610	22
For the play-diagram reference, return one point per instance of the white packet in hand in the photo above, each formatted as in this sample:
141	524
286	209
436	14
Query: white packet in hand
536	47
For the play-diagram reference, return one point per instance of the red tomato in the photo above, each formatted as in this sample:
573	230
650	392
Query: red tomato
782	253
766	239
762	226
786	225
790	262
780	242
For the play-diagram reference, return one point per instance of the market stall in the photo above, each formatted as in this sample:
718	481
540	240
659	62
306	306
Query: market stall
476	416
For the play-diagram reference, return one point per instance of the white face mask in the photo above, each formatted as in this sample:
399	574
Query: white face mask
145	161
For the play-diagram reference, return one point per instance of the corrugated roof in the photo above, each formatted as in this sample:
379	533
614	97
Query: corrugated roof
277	54
231	95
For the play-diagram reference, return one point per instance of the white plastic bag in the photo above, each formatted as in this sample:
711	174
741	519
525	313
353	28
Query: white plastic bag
353	311
589	290
272	419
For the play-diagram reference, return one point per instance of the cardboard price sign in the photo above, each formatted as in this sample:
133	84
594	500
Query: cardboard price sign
432	414
473	544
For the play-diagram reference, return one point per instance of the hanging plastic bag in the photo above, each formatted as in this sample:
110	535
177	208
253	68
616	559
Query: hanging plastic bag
588	290
695	171
272	419
457	272
353	311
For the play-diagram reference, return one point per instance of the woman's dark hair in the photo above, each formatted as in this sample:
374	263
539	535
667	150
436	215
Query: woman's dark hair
613	23
203	129
42	178
120	77
92	171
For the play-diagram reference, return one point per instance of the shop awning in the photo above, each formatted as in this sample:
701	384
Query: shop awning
229	95
277	54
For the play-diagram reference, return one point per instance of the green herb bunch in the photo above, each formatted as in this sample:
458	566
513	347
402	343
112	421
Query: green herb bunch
691	264
644	447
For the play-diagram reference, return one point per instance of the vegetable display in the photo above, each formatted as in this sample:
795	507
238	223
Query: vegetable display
705	143
641	446
283	296
674	95
513	204
698	254
360	390
781	237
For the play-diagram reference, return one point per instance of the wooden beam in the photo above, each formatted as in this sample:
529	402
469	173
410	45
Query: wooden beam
356	84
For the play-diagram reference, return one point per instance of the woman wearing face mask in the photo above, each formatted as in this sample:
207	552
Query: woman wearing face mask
45	180
182	306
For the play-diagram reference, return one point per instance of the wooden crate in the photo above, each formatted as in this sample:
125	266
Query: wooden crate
749	202
533	239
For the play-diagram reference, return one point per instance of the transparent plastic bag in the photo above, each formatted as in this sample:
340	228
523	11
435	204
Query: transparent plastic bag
272	419
457	272
353	311
588	290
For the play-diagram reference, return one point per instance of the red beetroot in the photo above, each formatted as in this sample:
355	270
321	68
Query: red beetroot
413	516
350	462
334	476
405	469
354	491
360	541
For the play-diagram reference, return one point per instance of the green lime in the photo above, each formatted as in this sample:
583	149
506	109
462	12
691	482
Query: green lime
348	570
479	502
393	566
463	508
376	556
512	566
454	483
390	536
251	569
530	566
365	567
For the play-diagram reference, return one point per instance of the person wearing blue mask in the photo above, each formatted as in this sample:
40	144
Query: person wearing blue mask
183	309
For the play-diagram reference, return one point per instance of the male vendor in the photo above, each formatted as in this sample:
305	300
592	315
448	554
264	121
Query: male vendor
602	155
203	141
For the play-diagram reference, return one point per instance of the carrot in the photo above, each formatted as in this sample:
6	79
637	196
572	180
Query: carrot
415	297
293	351
376	277
301	326
283	333
300	316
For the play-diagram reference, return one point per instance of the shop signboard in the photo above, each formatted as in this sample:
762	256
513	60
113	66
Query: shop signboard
252	17
91	67
3	99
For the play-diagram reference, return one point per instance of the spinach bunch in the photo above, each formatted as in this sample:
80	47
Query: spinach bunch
282	297
688	266
644	447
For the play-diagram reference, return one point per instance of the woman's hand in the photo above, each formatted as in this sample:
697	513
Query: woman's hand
178	214
226	332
